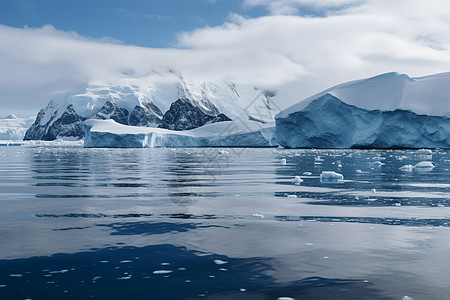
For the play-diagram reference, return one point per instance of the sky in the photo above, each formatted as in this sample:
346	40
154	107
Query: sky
298	47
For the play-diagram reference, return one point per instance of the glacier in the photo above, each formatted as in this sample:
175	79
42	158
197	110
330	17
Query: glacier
238	133
386	111
13	128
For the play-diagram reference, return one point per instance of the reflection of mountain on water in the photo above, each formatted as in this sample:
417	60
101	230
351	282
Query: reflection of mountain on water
161	272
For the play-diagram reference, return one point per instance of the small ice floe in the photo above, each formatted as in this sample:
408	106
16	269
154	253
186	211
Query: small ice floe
376	164
292	196
424	152
359	171
407	298
162	272
373	191
297	180
407	168
15	275
285	298
258	216
242	290
124	277
424	165
59	272
330	176
318	158
283	161
220	262
307	173
125	262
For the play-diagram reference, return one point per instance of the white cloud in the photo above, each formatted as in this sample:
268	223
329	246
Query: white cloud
303	55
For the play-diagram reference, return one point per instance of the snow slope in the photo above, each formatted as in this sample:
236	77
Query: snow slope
428	95
108	133
13	128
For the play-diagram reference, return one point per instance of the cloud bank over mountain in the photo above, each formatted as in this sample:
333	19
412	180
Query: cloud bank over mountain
299	47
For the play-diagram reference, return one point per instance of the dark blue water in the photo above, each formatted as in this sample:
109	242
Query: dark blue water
222	224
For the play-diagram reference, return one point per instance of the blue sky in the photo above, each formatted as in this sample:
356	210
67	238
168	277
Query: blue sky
50	48
149	23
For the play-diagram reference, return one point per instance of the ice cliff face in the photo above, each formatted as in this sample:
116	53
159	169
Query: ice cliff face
172	104
328	122
108	133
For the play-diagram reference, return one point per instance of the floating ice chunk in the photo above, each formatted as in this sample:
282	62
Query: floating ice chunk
307	173
285	298
407	298
258	216
292	196
297	180
318	158
124	277
330	176
283	161
15	275
373	191
220	262
376	164
59	272
407	168
424	152
424	165
162	272
125	262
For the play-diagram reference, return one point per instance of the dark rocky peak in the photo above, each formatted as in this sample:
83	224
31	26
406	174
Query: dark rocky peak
111	111
182	115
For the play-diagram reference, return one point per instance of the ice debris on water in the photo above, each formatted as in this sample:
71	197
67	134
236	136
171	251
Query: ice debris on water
162	272
297	180
424	152
292	196
307	173
407	168
283	161
407	298
424	165
376	164
220	262
285	298
258	216
330	176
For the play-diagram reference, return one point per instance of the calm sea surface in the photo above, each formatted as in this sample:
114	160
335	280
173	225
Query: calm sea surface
230	223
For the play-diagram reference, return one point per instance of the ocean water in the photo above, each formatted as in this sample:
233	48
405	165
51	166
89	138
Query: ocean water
226	223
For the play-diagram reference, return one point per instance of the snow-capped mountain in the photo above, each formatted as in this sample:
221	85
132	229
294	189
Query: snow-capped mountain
387	111
14	128
172	104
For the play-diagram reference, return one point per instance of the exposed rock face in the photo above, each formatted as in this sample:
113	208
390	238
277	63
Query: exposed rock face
327	122
69	124
149	115
111	111
182	115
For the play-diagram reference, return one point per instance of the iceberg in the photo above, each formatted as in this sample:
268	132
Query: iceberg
386	111
331	176
110	134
